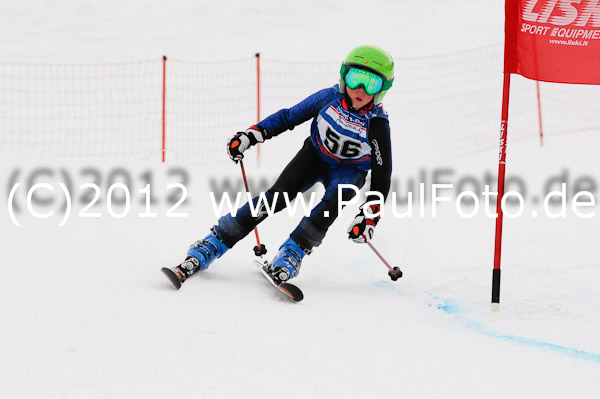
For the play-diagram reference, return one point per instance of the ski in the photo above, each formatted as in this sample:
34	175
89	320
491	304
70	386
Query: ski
289	290
172	276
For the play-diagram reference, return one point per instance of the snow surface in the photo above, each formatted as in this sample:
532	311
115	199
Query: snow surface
86	312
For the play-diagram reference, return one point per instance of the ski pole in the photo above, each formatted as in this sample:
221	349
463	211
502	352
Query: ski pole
395	273
259	250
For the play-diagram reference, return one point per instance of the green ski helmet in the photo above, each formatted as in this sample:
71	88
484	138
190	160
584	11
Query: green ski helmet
372	59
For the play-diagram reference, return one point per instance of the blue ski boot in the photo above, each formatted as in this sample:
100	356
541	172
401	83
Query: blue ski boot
286	264
200	255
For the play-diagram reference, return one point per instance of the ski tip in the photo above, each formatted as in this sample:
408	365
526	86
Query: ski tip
289	290
292	291
172	277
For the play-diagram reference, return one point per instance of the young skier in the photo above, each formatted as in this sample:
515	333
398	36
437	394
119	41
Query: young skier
349	135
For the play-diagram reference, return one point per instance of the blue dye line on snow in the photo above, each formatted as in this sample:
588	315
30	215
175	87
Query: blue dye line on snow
452	308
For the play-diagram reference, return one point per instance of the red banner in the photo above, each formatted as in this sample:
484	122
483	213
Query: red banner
553	40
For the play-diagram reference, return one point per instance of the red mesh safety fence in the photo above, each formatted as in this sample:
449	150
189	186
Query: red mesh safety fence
206	103
440	106
91	111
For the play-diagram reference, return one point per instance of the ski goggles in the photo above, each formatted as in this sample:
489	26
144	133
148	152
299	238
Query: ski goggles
371	82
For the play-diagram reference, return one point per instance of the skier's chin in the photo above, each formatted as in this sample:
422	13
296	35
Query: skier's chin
358	103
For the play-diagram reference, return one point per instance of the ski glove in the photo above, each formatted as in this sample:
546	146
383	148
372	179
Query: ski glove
362	228
241	141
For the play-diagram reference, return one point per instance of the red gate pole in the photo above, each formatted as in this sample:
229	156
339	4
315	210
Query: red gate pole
539	102
258	103
164	103
501	178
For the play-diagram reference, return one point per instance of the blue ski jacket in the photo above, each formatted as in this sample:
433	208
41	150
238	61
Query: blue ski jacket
341	134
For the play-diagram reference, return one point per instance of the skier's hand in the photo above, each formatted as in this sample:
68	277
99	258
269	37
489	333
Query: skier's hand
237	145
362	228
241	141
